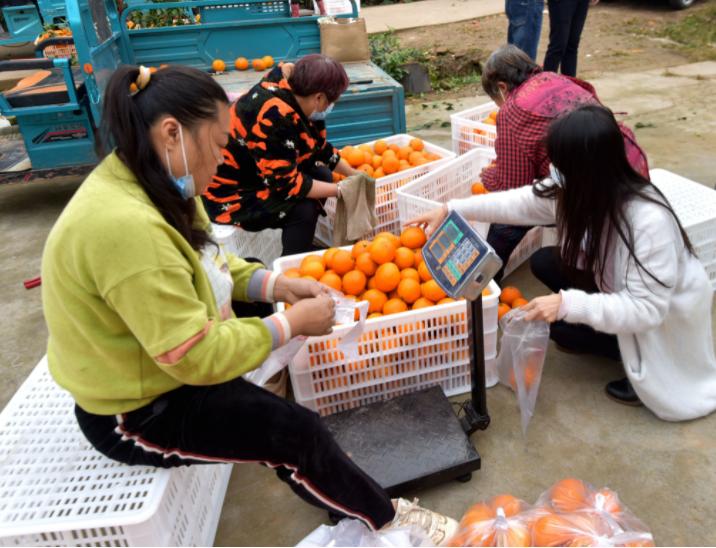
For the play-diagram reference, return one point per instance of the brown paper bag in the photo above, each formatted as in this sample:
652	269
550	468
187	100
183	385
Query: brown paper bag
344	39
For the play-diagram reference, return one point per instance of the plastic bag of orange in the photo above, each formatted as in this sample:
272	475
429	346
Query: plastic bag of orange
496	523
521	359
585	529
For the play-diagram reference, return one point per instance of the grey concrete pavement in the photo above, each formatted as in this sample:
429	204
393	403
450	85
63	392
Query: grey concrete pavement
427	13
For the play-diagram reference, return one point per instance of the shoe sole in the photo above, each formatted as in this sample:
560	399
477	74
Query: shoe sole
637	403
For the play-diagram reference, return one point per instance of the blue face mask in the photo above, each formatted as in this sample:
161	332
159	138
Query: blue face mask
184	184
556	175
316	115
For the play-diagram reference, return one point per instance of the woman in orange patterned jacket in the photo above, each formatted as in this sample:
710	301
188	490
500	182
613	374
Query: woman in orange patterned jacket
277	165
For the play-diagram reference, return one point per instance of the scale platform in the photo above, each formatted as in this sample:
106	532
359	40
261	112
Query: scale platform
411	442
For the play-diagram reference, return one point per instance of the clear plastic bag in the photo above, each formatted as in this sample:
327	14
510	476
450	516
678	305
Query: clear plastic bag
351	532
498	522
520	362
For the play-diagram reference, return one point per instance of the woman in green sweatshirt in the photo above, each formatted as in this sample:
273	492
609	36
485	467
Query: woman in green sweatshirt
137	299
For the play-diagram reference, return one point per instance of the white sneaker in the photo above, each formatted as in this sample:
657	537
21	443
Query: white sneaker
440	529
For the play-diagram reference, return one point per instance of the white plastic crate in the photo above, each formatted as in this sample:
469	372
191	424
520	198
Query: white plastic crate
400	353
264	245
695	206
57	490
453	180
385	187
468	130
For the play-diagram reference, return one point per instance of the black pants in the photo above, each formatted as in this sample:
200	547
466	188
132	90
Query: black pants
239	422
566	21
548	268
298	226
504	239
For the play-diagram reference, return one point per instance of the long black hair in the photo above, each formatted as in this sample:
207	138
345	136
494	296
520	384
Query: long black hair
587	147
189	95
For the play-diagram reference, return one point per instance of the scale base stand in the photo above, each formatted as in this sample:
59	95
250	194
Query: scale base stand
410	442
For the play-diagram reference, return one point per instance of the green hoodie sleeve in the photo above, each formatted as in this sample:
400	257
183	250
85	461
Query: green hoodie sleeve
162	309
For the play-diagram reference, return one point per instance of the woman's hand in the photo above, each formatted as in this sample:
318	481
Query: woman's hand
287	69
344	168
430	220
544	308
292	290
312	317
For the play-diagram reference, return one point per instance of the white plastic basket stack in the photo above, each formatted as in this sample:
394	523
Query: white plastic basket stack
385	187
469	131
56	490
453	180
398	354
264	245
695	206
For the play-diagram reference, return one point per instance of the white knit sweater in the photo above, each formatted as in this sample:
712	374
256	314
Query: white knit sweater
664	333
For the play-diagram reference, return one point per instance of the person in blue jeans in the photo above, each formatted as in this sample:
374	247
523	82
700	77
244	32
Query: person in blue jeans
566	21
525	24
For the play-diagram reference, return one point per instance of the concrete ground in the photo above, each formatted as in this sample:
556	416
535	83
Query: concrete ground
427	13
665	473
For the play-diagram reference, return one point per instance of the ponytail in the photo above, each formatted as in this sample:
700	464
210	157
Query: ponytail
189	95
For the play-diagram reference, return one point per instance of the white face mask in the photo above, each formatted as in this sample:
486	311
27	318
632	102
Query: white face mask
185	184
321	115
556	175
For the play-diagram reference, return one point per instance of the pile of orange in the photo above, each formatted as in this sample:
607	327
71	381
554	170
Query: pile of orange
381	158
571	513
388	272
510	298
242	63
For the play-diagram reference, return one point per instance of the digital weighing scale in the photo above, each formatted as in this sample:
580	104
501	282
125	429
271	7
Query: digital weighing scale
417	441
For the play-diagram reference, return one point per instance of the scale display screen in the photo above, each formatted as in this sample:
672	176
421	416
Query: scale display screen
454	255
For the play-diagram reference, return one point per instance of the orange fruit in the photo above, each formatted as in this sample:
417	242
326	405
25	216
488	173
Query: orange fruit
509	504
335	176
390	152
268	61
422	302
328	257
218	65
258	65
345	151
446	300
387	277
502	309
241	63
569	495
530	377
432	291
424	272
395	148
342	262
377	161
418	256
394	306
382	251
404	258
409	274
413	237
359	248
378	173
515	534
477	513
365	264
416	158
331	279
403	165
509	294
392	238
404	153
376	299
292	273
390	165
314	269
374	315
355	157
552	530
367	169
354	282
365	147
409	290
517	303
371	283
478	188
309	258
489	122
610	501
368	157
380	146
417	144
493	115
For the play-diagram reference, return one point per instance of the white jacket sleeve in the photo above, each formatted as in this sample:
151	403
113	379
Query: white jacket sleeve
513	207
643	302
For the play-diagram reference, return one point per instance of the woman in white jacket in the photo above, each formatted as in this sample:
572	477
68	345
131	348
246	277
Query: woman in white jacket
626	282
